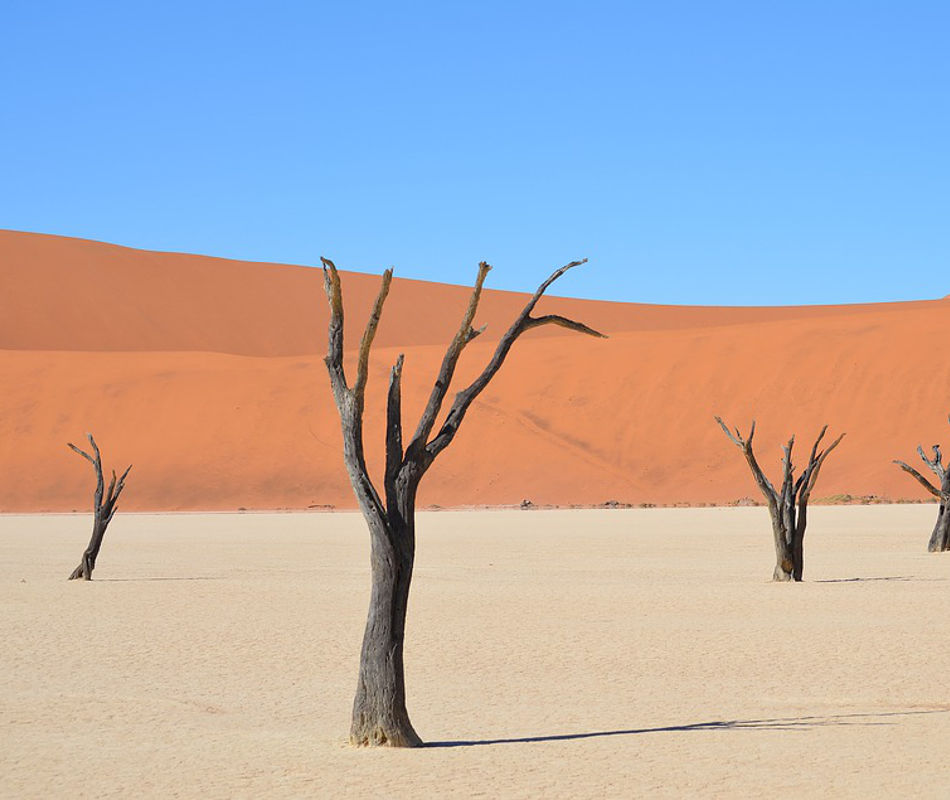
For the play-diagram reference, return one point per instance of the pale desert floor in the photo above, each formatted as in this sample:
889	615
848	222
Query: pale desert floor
550	654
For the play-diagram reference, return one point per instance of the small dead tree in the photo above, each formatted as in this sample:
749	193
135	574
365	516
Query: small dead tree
940	538
103	509
788	507
379	708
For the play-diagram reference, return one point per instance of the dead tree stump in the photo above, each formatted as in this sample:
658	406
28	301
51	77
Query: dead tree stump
104	507
788	507
940	538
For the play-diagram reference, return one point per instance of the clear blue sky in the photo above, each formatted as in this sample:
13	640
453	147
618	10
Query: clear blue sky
697	152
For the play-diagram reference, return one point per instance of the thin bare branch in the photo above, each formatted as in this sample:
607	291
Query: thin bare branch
544	286
394	452
465	398
95	447
920	479
440	388
814	470
362	369
121	486
111	489
745	445
788	472
474	333
812	460
348	402
564	322
334	357
83	453
736	437
935	464
115	488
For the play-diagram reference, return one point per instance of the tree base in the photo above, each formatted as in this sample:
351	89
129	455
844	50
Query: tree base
80	574
785	571
377	736
940	538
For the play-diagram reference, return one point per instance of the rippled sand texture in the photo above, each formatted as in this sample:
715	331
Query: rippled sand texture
550	654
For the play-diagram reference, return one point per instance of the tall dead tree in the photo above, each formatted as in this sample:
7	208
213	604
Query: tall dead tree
103	509
940	538
788	506
379	708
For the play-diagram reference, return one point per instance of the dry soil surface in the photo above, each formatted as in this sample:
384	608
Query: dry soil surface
607	653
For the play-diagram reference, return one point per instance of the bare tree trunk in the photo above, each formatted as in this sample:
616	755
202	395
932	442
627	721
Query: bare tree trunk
104	508
379	708
798	556
788	507
88	562
940	538
784	559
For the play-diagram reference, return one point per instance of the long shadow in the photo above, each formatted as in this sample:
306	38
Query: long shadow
776	724
856	580
137	580
881	578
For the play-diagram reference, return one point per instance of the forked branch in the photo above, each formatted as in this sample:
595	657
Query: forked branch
465	334
936	463
523	322
815	462
921	480
936	466
745	445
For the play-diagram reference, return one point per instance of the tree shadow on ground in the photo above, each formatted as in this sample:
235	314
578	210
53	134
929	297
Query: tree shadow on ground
137	580
775	724
880	578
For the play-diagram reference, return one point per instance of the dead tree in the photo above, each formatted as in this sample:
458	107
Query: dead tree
103	509
940	538
788	507
379	708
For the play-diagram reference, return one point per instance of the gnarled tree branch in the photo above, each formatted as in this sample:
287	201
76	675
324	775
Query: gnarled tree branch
920	479
940	538
466	333
524	321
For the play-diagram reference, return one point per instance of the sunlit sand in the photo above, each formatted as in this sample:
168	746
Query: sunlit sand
549	654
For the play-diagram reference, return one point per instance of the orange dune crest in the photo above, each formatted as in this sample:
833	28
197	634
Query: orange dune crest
207	375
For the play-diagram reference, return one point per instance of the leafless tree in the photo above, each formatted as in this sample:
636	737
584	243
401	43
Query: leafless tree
379	708
788	506
940	538
104	507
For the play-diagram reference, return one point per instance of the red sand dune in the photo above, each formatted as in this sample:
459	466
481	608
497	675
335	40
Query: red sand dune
207	375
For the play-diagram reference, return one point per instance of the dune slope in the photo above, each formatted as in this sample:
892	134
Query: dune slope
207	375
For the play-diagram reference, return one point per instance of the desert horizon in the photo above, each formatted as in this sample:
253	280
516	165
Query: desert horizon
219	398
478	400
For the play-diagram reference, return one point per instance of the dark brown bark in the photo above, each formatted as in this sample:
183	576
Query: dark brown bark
788	507
379	708
940	538
104	508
